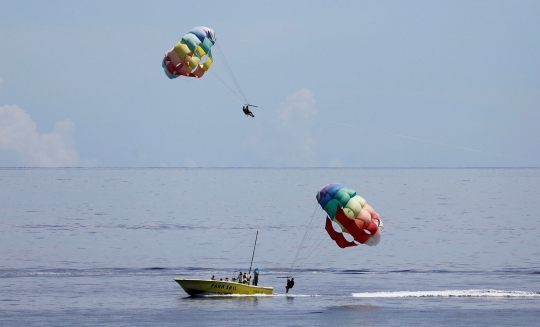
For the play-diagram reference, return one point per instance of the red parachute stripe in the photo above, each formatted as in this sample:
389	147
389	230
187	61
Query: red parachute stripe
171	68
351	225
372	227
338	237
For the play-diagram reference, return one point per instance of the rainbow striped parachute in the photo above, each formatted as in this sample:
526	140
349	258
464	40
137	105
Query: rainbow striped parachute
191	56
351	213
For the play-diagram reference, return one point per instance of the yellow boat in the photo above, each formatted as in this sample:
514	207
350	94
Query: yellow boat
206	286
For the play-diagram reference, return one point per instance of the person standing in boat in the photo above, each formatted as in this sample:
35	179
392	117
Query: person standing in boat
239	279
213	277
290	284
244	279
256	277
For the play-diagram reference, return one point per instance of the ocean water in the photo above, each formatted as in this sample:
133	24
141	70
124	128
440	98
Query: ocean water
91	247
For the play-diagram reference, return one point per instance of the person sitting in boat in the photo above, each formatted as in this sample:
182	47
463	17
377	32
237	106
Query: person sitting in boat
244	279
221	279
290	284
213	277
256	277
226	279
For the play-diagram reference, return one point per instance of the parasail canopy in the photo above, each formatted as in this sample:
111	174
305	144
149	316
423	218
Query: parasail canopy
353	215
192	55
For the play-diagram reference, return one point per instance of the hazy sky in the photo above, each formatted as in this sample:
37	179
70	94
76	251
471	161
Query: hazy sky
338	83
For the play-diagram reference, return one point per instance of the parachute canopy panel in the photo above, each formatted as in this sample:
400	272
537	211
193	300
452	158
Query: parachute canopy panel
191	56
350	211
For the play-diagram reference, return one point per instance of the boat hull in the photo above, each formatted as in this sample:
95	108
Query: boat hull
204	286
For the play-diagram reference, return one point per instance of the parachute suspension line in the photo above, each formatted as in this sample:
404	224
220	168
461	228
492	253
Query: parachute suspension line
305	261
323	236
313	240
226	85
230	72
231	75
303	240
335	252
216	90
309	227
318	239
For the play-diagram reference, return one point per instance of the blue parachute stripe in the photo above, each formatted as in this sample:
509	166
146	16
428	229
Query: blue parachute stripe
201	32
330	194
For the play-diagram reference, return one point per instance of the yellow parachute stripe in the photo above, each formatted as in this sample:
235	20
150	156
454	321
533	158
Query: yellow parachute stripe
182	50
207	63
194	62
199	52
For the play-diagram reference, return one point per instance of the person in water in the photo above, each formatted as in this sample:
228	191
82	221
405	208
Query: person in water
246	111
256	277
290	284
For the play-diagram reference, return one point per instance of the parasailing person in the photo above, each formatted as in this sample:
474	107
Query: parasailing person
290	284
246	111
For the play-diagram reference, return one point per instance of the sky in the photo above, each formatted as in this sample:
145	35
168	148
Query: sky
337	84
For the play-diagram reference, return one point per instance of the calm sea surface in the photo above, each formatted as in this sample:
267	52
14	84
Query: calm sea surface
88	247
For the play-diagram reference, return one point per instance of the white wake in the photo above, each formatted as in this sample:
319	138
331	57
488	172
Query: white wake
447	293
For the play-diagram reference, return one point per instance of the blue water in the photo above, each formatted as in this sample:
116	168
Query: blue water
91	247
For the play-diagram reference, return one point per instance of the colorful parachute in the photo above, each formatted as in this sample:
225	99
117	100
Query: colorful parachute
351	213
191	56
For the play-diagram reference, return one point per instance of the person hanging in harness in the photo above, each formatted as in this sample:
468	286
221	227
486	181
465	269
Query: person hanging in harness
246	111
290	284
